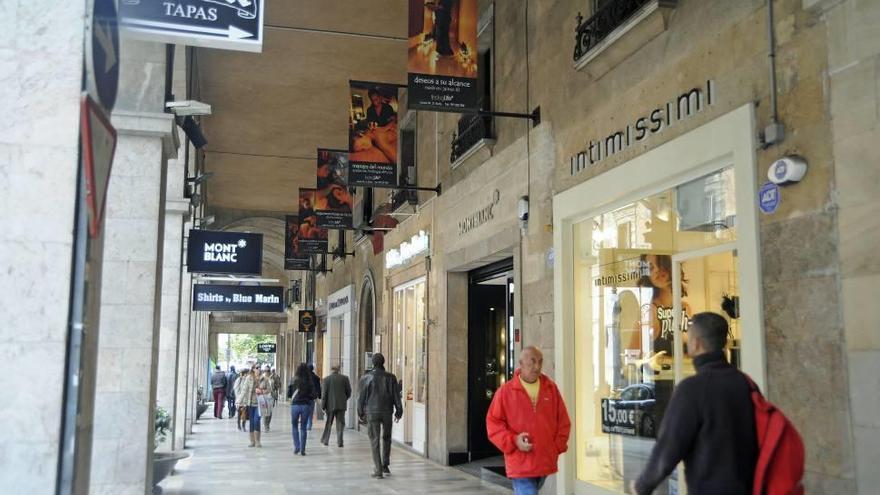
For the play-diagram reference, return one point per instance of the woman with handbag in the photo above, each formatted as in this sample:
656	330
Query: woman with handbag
242	418
265	399
249	390
301	393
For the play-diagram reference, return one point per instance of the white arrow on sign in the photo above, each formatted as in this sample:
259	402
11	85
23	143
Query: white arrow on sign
232	32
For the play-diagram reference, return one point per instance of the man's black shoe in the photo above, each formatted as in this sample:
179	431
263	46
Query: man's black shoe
340	445
386	471
377	475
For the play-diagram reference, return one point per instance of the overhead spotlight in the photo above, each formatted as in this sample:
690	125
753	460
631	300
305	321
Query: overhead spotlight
193	132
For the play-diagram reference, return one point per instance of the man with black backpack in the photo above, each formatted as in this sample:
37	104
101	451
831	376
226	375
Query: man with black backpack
379	398
709	422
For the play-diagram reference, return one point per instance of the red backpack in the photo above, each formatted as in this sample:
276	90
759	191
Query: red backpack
780	467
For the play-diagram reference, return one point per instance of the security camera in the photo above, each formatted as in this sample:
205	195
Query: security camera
522	208
188	107
193	131
787	170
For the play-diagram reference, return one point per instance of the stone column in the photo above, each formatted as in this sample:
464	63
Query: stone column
125	379
176	206
41	54
185	394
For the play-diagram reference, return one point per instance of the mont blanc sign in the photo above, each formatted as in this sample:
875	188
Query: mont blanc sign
226	24
224	252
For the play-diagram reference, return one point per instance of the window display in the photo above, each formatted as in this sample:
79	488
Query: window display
641	271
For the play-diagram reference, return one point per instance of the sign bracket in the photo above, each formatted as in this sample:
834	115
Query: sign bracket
535	116
436	189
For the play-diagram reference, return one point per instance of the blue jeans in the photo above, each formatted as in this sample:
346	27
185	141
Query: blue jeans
527	486
254	418
309	417
299	414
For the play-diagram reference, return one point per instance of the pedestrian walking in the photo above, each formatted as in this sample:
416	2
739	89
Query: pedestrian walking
316	383
218	386
301	393
378	400
276	387
242	420
529	423
247	397
334	401
265	400
709	422
231	378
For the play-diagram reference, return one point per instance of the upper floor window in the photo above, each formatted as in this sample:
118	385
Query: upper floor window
607	16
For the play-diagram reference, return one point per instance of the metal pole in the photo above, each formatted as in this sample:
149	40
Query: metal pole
771	39
76	312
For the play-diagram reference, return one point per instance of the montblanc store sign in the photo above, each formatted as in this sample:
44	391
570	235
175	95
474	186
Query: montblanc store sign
238	298
226	24
417	245
656	121
480	216
224	252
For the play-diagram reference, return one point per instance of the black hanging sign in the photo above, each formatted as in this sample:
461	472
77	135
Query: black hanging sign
442	60
372	133
224	252
266	347
311	238
307	321
238	298
294	259
332	199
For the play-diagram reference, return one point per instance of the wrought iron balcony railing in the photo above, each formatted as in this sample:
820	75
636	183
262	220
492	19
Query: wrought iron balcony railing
605	20
472	128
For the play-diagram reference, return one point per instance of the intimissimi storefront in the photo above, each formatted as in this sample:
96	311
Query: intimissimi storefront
640	249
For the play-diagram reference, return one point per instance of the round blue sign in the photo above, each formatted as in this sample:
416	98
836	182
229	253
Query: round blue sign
105	52
769	198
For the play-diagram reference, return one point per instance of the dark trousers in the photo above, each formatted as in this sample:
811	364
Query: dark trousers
230	404
218	402
379	428
339	417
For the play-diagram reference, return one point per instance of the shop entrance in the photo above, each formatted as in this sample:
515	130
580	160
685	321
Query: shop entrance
490	347
410	362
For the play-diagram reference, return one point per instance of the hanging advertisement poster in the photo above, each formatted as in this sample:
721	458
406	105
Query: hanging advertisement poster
332	199
442	61
293	258
311	239
372	135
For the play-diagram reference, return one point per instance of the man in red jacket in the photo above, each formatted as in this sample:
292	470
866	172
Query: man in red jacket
529	423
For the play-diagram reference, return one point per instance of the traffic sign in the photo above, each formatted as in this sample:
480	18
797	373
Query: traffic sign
98	147
102	61
226	24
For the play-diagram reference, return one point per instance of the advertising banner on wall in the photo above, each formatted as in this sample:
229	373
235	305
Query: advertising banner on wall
442	61
332	199
311	239
372	135
306	321
294	259
238	298
224	252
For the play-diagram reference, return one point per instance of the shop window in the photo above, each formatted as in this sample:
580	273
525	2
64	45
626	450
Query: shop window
362	211
641	271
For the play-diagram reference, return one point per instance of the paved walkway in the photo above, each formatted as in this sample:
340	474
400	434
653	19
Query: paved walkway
221	463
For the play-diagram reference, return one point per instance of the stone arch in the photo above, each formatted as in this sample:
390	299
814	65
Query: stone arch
366	318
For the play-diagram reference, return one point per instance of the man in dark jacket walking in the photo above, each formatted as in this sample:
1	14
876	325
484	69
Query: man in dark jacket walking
218	386
334	402
709	423
316	383
379	398
231	376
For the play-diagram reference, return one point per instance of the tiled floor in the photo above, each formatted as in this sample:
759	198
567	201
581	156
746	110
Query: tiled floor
221	463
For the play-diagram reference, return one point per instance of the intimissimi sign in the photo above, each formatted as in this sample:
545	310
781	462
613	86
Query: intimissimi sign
224	252
656	121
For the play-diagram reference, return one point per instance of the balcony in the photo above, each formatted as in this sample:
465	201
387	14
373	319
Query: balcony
474	132
616	30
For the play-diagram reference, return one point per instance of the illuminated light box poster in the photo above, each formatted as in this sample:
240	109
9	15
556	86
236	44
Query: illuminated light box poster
311	238
372	135
332	199
294	259
442	59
